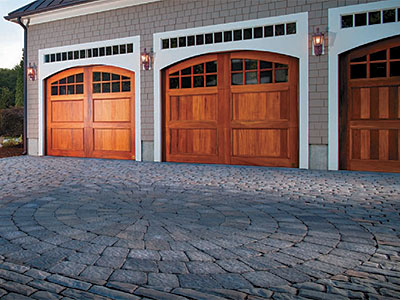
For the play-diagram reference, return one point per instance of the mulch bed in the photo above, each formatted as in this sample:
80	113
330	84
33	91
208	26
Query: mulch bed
11	151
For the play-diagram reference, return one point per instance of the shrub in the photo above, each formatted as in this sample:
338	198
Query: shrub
12	122
12	142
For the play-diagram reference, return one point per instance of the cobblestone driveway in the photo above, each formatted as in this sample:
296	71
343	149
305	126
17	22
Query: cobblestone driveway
97	229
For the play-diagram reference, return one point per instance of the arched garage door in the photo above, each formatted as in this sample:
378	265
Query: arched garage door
90	113
370	108
232	108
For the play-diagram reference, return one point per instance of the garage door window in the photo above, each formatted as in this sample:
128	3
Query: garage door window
197	76
70	85
251	71
104	82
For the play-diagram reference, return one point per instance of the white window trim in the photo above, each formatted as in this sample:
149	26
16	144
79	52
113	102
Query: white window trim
295	45
81	10
340	41
129	62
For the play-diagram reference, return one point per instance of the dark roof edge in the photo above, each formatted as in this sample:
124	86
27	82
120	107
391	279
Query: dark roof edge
18	13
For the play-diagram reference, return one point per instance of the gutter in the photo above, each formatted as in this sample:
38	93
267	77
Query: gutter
25	139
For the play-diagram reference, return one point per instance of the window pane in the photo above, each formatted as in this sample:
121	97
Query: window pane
251	64
63	90
115	50
79	88
237	79
198	69
248	33
265	64
47	58
174	43
96	52
279	29
198	81
53	57
237	35
165	43
268	31
96	76
361	19
70	55
54	90
277	65
106	88
389	16
218	37
258	32
96	88
115	77
211	80
79	77
237	64
108	50
182	41
395	53
71	79
102	51
266	77
64	80
89	52
174	83
358	71
116	87
227	36
58	56
175	74
251	78
281	75
381	55
82	54
122	48
374	17
347	21
291	28
71	90
186	82
129	48
209	38
76	54
199	39
186	71
190	40
377	70
395	68
359	59
211	67
126	86
106	76
64	56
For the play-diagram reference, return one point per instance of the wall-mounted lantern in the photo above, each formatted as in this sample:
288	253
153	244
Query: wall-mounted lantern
32	71
318	42
147	59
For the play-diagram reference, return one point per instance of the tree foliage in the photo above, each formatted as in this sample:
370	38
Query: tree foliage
19	92
6	98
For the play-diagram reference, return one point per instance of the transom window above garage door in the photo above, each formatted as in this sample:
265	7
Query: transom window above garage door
197	76
104	82
252	71
70	85
380	64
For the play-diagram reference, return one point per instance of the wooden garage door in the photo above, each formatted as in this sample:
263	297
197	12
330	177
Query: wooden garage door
370	108
90	113
232	108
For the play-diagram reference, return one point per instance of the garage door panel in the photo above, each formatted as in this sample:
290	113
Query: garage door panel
67	139
259	142
112	140
260	106
67	111
111	110
193	107
193	141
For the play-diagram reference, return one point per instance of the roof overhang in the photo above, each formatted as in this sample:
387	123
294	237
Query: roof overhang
77	10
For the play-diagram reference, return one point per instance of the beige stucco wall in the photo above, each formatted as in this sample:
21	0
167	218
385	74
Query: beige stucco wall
167	15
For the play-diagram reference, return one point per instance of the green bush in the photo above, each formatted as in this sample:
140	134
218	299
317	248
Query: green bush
12	122
12	142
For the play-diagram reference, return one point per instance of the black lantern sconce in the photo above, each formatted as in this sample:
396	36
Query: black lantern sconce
318	43
147	59
31	72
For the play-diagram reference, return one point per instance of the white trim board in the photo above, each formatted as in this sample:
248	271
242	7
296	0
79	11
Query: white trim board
81	10
129	62
295	45
340	41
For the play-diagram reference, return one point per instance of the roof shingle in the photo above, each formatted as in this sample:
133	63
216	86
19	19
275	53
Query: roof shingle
42	6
